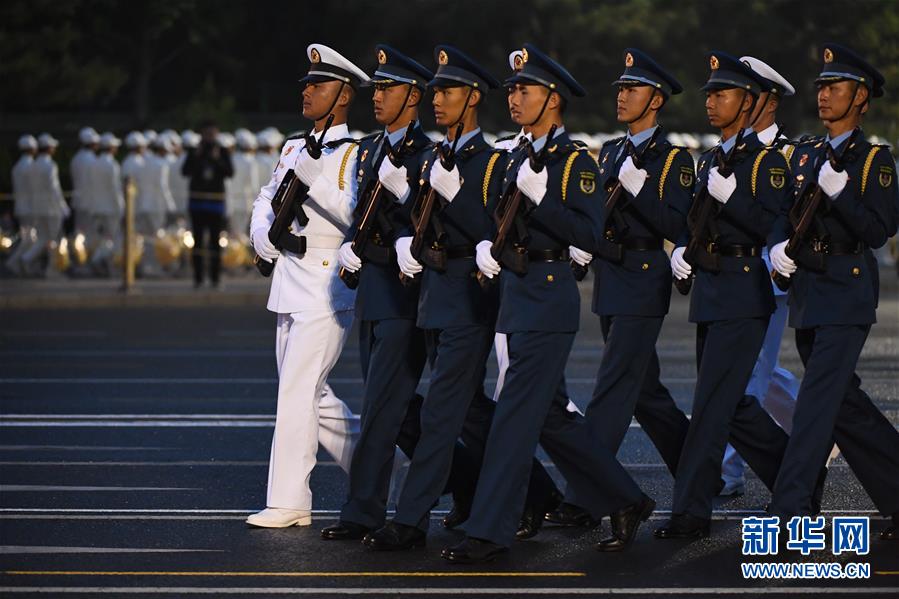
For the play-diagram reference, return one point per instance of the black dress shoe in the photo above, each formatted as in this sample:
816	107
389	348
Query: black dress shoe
394	536
473	551
458	515
625	524
345	531
532	517
891	532
568	514
683	526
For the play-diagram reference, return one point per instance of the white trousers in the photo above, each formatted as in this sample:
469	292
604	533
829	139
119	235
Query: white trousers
48	229
307	346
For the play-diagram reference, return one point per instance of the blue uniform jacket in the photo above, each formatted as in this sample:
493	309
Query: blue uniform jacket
547	297
742	288
641	284
865	211
454	298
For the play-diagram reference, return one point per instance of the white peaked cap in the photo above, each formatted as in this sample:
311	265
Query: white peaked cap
135	139
45	140
108	140
516	60
327	63
765	70
27	142
88	136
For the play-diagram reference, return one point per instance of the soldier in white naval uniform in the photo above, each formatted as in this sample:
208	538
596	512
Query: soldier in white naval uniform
22	200
773	386
314	308
108	204
49	208
82	193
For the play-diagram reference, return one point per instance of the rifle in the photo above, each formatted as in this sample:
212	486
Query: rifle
806	210
614	189
424	218
508	215
288	205
701	218
373	216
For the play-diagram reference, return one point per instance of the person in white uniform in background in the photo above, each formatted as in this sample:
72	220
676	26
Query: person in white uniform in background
108	204
244	185
314	307
154	201
49	208
136	145
82	194
773	386
268	142
177	182
22	200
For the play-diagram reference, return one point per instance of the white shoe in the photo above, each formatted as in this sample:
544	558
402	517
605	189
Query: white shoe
274	517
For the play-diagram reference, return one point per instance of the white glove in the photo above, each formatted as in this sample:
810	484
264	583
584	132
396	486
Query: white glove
631	177
780	261
680	267
830	181
580	256
487	264
721	187
307	168
394	179
532	184
263	247
409	266
447	183
347	258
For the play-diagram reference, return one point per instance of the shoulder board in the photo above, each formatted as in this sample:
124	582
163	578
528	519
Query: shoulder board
806	140
506	137
297	135
577	144
615	140
369	137
339	142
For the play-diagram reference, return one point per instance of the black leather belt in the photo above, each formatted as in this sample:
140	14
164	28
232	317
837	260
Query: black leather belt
735	250
548	255
837	248
642	244
460	251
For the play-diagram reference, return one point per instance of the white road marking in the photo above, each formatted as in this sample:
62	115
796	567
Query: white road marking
447	591
45	488
82	448
53	333
31	549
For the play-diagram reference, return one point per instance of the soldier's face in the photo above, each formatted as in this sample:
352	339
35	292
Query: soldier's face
526	102
317	98
388	102
449	102
631	101
834	99
722	105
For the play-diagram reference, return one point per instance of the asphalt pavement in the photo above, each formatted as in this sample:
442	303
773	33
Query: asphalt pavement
135	432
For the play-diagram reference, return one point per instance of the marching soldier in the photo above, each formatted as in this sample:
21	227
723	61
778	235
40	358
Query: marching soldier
833	294
243	186
154	200
49	208
314	308
772	385
732	299
456	315
108	204
392	348
82	194
22	200
632	288
539	314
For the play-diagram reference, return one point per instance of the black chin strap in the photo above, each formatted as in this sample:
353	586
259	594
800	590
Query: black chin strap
402	106
740	110
333	103
848	108
464	108
542	110
761	110
646	108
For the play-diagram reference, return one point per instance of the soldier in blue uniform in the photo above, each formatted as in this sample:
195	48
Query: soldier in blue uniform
392	349
632	286
456	315
833	295
731	302
539	313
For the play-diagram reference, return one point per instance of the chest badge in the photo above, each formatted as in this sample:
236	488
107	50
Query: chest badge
803	159
289	150
364	155
885	177
686	177
588	182
777	180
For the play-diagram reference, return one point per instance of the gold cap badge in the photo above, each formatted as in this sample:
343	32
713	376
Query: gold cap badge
314	56
524	55
382	57
518	61
828	55
442	57
628	60
713	62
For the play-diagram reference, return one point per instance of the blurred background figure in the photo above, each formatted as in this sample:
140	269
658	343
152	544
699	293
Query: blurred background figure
268	150
243	186
207	166
136	144
48	207
23	202
154	202
108	204
82	193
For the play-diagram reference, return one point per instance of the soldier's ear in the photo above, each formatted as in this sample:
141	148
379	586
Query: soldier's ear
346	96
475	98
657	102
414	97
861	96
